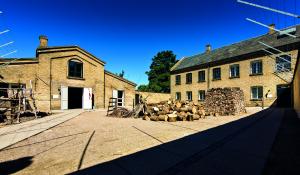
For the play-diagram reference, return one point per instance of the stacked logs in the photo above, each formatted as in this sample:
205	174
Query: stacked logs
173	111
224	101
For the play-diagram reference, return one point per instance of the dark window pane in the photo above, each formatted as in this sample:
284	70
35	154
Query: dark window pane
75	68
201	76
178	79
217	73
188	78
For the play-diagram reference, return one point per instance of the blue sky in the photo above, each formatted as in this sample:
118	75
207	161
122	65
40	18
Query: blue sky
128	33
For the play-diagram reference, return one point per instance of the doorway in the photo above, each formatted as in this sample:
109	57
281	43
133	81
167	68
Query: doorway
284	98
120	96
75	97
120	100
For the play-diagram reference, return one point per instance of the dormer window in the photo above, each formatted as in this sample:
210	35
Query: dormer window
75	68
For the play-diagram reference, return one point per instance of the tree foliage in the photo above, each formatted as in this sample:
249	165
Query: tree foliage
159	73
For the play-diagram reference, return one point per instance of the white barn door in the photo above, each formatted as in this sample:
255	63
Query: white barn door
115	95
87	98
64	97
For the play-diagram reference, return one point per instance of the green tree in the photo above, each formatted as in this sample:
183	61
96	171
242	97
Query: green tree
159	73
143	88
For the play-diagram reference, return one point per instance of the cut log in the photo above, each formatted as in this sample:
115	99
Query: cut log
196	117
195	110
178	104
190	117
163	118
154	118
147	118
172	117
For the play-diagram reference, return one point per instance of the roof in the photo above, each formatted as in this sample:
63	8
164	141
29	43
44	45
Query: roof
68	48
235	50
120	78
18	61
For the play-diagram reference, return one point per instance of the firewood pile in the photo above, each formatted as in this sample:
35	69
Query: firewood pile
121	112
173	111
224	101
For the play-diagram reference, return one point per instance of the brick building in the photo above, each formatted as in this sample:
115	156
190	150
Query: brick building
262	72
66	77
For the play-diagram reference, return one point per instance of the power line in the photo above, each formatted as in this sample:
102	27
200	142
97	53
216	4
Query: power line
5	31
8	53
270	9
6	44
264	25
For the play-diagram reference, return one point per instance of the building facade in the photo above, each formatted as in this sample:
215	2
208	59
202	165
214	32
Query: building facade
65	77
262	67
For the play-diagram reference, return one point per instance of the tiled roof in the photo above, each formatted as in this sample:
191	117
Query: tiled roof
238	49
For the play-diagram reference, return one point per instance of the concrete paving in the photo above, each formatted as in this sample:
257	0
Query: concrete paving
12	134
238	147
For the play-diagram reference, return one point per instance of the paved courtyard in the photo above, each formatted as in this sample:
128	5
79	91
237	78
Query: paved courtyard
92	142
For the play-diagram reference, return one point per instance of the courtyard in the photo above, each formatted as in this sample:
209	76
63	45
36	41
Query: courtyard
92	139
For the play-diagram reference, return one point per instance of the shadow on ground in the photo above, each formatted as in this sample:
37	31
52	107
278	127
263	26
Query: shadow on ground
238	147
14	166
285	154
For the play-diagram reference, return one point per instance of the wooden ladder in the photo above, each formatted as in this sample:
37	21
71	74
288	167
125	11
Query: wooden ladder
112	104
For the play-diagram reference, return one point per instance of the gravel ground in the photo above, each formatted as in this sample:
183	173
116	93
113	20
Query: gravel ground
59	150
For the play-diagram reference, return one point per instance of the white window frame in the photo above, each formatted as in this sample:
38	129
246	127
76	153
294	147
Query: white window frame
256	97
235	68
219	73
201	97
177	82
256	67
191	95
199	76
177	95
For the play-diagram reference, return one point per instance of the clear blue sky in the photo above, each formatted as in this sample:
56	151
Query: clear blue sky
128	33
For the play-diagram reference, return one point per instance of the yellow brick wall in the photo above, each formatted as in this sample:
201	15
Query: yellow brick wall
113	83
56	65
154	97
268	80
296	88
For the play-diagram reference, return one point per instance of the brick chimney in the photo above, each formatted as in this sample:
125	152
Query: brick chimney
43	41
271	29
208	48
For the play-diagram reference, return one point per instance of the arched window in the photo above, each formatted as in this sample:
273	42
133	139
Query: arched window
75	68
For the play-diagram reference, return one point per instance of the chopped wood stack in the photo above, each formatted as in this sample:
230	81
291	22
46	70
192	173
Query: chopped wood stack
121	112
173	111
224	101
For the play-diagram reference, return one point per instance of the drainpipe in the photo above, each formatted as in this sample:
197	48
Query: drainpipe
50	84
104	90
208	77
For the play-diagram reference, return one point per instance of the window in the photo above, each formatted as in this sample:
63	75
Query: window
189	95
234	71
201	76
177	96
217	73
201	95
189	78
177	79
75	68
256	67
256	92
283	63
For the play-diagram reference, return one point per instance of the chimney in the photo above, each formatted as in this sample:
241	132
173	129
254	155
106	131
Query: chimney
271	29
43	41
208	48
